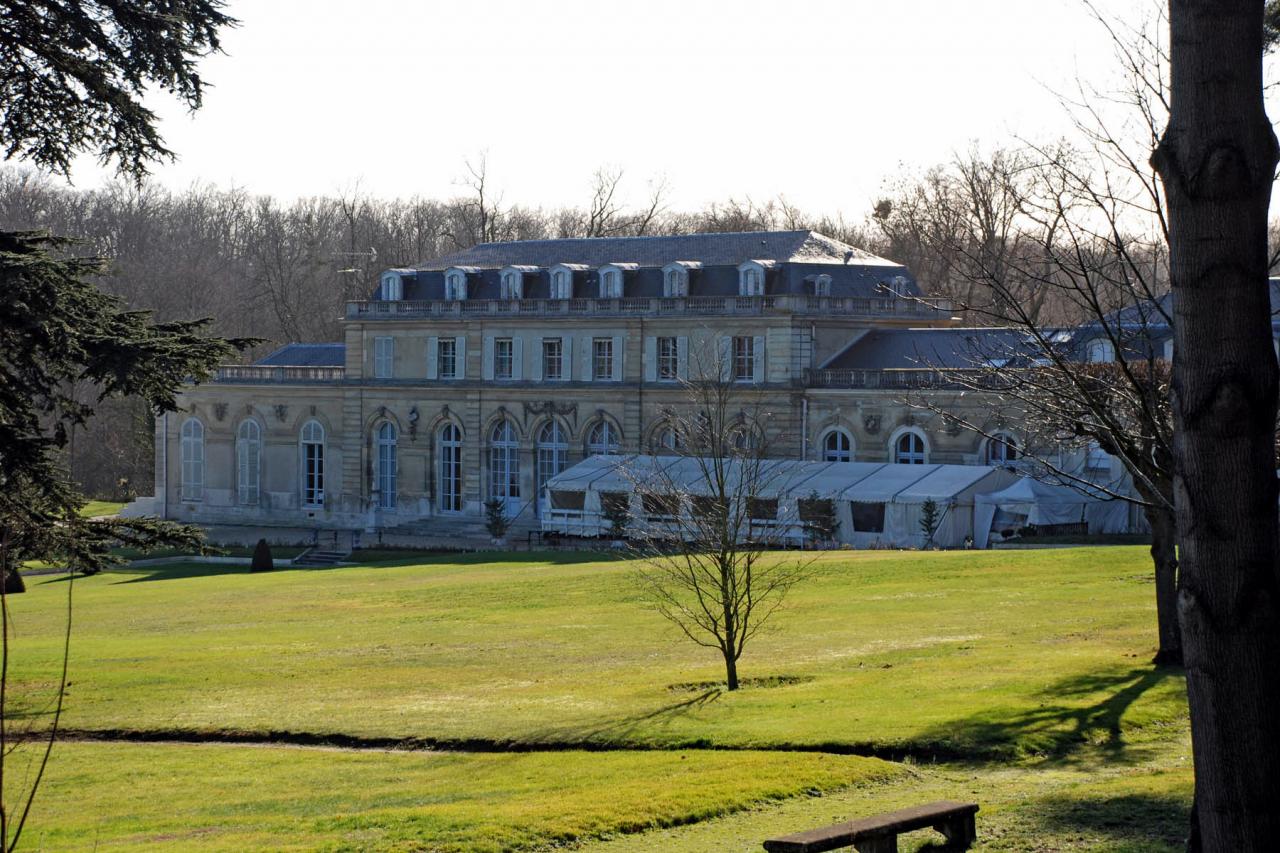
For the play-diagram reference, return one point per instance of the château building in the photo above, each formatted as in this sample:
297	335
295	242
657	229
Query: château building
481	374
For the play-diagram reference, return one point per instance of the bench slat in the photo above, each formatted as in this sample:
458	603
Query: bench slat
891	823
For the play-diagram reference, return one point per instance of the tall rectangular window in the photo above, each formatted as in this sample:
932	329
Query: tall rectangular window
602	358
744	359
668	359
447	358
383	357
313	464
552	359
503	358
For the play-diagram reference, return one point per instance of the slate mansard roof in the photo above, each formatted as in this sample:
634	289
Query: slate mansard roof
728	249
306	355
790	258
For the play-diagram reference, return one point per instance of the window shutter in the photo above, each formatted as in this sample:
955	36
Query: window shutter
459	358
487	371
586	373
566	358
650	359
617	359
433	352
726	359
757	352
682	357
517	358
537	359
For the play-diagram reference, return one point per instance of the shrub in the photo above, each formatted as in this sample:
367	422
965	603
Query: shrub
495	517
262	561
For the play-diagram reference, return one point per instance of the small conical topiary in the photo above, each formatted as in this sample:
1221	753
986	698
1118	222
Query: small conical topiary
13	582
262	561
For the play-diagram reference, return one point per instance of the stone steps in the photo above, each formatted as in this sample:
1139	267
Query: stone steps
320	558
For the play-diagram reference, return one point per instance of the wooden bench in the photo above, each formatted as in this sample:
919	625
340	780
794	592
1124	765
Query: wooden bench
879	834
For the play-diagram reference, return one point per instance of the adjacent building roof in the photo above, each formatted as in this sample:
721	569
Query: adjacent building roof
306	355
896	349
729	249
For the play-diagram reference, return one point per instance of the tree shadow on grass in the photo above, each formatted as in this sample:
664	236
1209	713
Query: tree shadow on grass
1072	718
622	730
1132	821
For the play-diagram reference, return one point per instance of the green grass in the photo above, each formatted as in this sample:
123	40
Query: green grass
996	652
1042	807
1032	666
96	508
215	797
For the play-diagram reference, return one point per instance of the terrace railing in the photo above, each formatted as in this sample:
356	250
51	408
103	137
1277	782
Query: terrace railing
905	379
653	306
255	374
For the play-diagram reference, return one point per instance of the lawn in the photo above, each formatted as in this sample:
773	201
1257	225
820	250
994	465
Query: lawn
94	509
1000	652
218	797
1036	658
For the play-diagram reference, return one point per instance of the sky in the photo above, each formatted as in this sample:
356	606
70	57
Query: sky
817	101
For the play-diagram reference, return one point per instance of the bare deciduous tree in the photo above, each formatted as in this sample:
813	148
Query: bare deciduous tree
708	519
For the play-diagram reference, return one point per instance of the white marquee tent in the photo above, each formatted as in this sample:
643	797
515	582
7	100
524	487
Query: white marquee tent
1029	501
876	504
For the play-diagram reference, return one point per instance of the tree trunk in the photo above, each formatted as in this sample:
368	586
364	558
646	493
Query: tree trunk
731	670
1216	161
1164	554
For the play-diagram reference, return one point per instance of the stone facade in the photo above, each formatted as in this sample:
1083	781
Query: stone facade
375	433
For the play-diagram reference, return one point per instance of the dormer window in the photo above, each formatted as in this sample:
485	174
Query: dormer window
611	280
897	286
819	285
675	277
562	280
751	278
392	288
455	284
676	283
610	284
511	283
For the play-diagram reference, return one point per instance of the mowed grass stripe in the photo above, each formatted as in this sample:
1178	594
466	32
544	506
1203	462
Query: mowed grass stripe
217	797
985	653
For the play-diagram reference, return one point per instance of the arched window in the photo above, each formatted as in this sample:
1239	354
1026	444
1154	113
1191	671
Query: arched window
909	449
1002	448
837	446
248	462
192	460
743	439
449	452
386	473
1100	350
312	440
504	462
668	440
552	449
603	440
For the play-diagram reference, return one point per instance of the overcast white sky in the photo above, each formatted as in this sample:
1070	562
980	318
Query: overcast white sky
817	100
